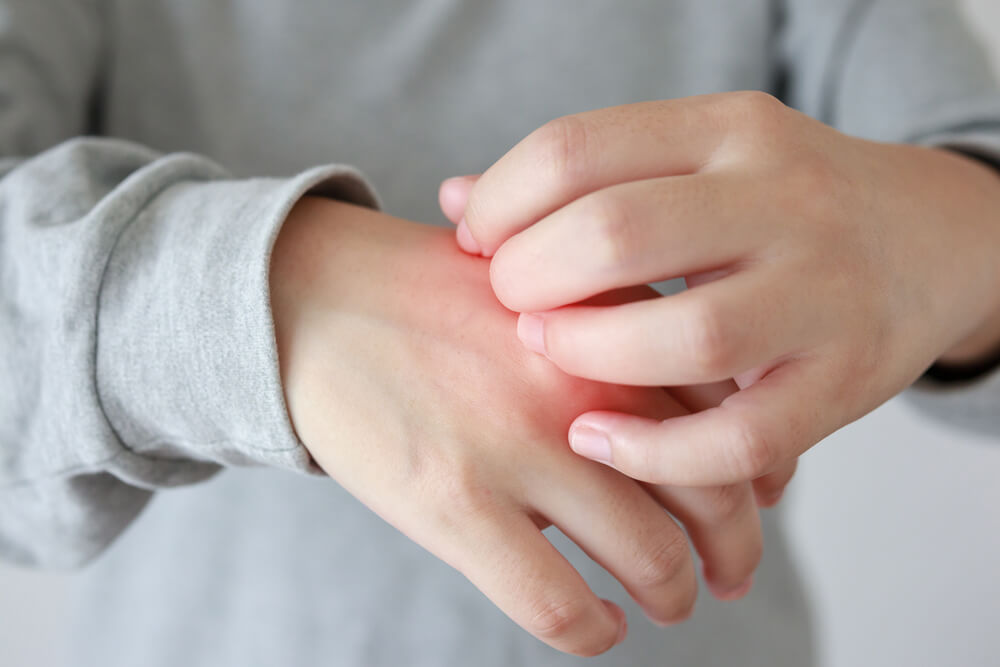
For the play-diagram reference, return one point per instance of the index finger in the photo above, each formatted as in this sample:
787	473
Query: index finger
574	155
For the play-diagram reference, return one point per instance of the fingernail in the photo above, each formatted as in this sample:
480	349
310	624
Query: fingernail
622	631
531	331
591	443
465	239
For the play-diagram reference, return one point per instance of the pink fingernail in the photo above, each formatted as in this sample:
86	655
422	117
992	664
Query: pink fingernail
591	443
531	331
465	239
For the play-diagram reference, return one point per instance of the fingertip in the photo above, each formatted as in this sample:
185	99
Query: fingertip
770	500
591	443
465	239
531	331
619	615
453	196
731	594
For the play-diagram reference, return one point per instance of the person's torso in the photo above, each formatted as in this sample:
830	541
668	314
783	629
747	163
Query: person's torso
411	92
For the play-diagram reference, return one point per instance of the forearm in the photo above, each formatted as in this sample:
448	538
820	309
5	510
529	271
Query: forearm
139	348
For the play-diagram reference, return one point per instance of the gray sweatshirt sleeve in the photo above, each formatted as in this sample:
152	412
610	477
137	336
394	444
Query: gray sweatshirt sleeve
907	71
135	328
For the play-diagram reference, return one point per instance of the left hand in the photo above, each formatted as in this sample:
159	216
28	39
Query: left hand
825	272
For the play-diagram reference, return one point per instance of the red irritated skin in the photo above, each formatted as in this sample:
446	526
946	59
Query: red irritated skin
405	379
825	272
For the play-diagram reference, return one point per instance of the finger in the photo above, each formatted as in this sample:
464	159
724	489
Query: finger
698	397
705	334
628	234
749	435
453	195
769	488
574	155
722	522
724	527
623	529
520	571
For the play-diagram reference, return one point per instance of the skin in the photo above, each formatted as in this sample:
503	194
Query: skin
825	272
405	380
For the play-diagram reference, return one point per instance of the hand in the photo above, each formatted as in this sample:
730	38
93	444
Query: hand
406	382
825	272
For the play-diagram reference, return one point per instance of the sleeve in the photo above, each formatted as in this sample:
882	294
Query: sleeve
137	341
905	71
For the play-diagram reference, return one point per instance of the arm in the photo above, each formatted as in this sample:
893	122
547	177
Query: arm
909	72
827	272
405	380
134	314
140	352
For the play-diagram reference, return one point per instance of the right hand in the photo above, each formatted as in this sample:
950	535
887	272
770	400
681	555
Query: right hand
405	379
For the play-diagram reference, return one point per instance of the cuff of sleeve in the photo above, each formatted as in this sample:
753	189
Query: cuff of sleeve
968	398
967	127
187	365
973	405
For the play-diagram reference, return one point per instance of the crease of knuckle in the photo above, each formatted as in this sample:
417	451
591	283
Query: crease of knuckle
751	453
612	231
710	344
659	565
556	620
564	149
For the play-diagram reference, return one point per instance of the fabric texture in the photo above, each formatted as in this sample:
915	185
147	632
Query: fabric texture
139	355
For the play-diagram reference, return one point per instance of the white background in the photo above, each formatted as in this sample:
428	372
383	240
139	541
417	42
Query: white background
896	522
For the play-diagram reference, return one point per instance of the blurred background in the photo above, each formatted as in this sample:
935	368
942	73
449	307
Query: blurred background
895	521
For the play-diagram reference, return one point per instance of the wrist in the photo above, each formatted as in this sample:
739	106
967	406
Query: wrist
338	271
977	349
979	344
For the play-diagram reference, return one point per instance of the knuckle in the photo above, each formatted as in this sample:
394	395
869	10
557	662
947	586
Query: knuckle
564	147
459	494
613	233
728	502
751	452
660	564
557	621
709	342
755	111
477	212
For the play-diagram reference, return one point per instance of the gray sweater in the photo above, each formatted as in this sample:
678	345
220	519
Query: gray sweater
138	354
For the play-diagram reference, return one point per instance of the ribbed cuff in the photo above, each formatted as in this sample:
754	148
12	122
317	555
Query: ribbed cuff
187	360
